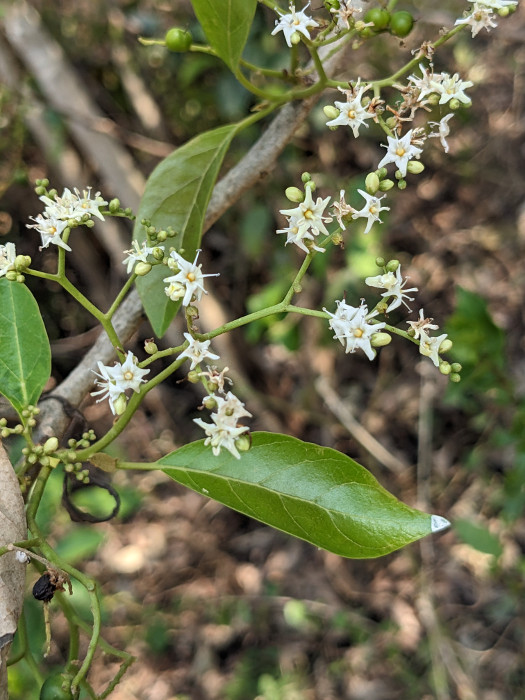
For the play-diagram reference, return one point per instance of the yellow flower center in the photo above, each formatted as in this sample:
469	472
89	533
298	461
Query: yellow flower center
294	230
373	210
400	151
351	113
128	375
358	333
308	214
190	277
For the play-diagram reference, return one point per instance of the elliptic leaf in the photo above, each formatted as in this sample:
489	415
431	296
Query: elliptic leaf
177	195
25	355
226	24
311	492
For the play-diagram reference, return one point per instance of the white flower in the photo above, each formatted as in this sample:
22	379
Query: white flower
108	387
230	407
429	346
394	287
74	205
7	258
351	113
422	324
50	229
297	234
443	130
497	4
371	210
344	12
221	434
342	209
197	351
128	375
451	87
295	21
89	206
306	221
427	83
400	151
480	17
137	254
188	283
351	328
215	377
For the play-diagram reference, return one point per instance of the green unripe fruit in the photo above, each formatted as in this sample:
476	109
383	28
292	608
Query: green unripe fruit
366	33
150	347
391	122
401	23
53	688
178	40
379	17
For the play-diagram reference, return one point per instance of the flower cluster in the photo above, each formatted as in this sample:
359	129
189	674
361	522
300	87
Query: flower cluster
393	283
7	258
138	254
224	431
429	346
351	327
62	213
116	380
306	221
188	282
482	14
293	24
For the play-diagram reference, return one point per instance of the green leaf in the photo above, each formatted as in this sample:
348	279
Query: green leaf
177	195
478	537
25	355
226	24
314	493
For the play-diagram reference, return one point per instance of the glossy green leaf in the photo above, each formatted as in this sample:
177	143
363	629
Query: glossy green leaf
177	195
312	492
25	355
226	24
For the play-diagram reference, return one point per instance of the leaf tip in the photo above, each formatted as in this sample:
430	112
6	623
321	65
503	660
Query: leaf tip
438	523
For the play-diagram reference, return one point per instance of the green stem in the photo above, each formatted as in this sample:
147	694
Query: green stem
120	296
24	640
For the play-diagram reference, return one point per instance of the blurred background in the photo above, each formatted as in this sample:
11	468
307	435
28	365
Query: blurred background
214	604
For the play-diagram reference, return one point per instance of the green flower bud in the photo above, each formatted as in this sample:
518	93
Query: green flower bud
456	367
210	403
11	275
402	184
142	268
445	368
150	347
32	458
306	177
504	11
158	253
454	104
162	236
381	173
71	456
433	98
194	376
192	312
386	185
391	122
331	112
243	442
379	340
40	191
69	468
445	346
45	461
294	194
392	265
311	184
380	262
456	378
415	167
5	432
20	279
120	404
372	183
114	206
295	38
50	445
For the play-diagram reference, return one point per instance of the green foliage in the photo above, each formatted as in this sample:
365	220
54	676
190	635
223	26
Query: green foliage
177	195
226	24
25	355
314	493
478	537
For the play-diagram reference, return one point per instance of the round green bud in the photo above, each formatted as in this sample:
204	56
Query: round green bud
150	347
379	340
11	275
386	185
391	122
454	104
365	32
402	184
210	403
32	458
20	262
5	432
243	442
31	422
194	376
295	38
69	468
311	184
445	346
305	177
445	368
40	191
178	40
294	194
56	688
456	367
456	378
162	236
45	461
71	456
415	167
372	183
50	445
192	312
142	268
504	11
392	265
379	17
158	253
20	278
120	405
382	173
401	23
433	98
114	206
331	112
380	262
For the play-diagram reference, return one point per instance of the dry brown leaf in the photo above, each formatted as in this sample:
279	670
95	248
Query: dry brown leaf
13	528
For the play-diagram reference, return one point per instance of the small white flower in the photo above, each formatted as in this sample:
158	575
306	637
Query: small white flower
230	408
371	210
298	233
7	258
443	130
422	325
451	87
73	205
351	328
108	388
295	21
50	230
137	254
221	434
89	206
344	12
310	214
394	288
427	83
400	151
429	346
342	209
128	375
197	351
351	113
216	377
188	283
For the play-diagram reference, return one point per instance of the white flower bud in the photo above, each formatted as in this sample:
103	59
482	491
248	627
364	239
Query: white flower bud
372	183
294	194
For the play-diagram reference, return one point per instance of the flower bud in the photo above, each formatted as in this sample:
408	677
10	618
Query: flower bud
445	346
372	183
337	239
504	11
158	253
194	377
391	122
379	340
456	378
50	445
295	38
11	275
386	185
120	404
402	184
209	403
381	173
445	368
150	347
392	265
142	268
380	262
162	236
331	112
454	104
20	262
114	206
433	98
415	167
192	312
44	461
243	442
456	367
306	177
294	194
20	279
